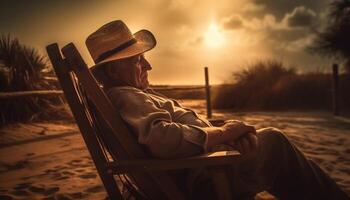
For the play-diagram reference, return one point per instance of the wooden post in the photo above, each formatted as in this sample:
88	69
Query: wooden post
335	89
207	92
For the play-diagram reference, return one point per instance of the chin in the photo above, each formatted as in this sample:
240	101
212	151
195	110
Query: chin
145	84
143	87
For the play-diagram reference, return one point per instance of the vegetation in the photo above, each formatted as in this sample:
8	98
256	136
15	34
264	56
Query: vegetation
269	85
23	69
3	79
334	40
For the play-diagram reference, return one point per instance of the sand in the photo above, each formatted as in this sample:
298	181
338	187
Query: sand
50	161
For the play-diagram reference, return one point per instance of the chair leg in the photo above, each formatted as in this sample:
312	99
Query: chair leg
110	185
221	183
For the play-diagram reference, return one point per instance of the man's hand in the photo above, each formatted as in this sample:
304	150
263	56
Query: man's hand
247	140
233	130
230	132
246	143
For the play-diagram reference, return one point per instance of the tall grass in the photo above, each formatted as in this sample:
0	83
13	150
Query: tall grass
269	85
3	80
22	69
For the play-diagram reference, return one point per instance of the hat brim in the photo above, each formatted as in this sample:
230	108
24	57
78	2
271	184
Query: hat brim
145	41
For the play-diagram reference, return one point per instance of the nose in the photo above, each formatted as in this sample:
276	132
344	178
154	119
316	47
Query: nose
145	64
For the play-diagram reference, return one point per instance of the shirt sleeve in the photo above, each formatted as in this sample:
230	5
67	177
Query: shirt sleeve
155	128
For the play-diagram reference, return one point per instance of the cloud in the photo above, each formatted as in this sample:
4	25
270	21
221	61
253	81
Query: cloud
252	7
287	34
266	22
233	22
300	44
300	17
279	8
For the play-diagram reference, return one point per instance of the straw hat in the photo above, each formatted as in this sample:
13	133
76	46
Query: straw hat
114	41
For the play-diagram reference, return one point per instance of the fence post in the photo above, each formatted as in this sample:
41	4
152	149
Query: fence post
207	92
335	90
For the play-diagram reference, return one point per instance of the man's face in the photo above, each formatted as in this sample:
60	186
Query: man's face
141	67
132	71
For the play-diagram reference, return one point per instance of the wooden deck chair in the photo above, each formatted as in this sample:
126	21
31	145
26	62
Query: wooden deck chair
112	146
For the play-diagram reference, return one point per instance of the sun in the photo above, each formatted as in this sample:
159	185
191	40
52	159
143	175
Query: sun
213	37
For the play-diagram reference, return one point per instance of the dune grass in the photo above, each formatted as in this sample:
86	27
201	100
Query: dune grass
270	85
22	68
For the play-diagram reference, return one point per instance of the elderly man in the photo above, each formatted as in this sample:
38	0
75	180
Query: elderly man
168	130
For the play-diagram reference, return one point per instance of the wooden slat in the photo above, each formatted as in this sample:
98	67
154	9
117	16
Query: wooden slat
63	74
103	105
163	183
212	159
108	112
142	180
34	93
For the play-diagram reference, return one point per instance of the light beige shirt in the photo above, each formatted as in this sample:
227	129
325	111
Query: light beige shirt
166	128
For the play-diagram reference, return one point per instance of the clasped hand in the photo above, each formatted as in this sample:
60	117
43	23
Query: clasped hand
241	136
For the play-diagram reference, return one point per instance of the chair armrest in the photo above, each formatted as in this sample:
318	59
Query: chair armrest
211	159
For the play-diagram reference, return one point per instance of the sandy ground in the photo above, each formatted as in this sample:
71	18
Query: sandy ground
50	161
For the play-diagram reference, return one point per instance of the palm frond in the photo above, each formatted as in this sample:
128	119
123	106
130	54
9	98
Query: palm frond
334	40
21	69
339	10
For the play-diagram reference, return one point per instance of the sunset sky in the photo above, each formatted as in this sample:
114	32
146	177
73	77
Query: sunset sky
224	35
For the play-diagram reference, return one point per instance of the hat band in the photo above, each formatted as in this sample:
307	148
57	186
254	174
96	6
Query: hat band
115	50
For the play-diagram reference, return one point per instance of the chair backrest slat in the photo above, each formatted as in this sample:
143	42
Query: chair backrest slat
75	100
156	185
104	106
64	75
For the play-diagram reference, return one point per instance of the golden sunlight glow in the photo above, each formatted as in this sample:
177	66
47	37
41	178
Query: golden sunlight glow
213	36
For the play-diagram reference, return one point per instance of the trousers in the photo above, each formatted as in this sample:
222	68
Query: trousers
276	166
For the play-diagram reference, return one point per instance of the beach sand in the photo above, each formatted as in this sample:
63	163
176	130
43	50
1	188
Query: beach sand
50	160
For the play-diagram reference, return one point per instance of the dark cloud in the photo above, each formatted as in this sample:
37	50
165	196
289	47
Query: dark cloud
22	14
280	22
287	35
233	22
20	10
300	17
288	38
280	8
